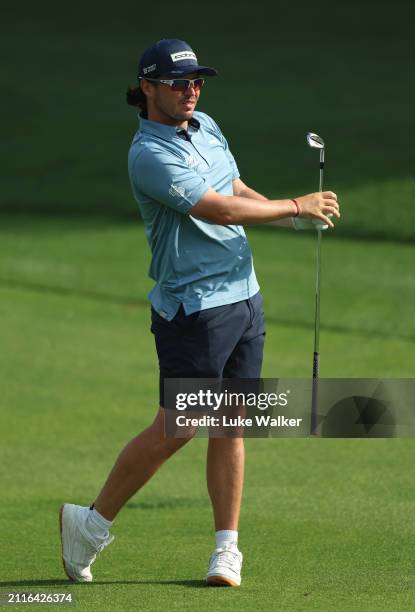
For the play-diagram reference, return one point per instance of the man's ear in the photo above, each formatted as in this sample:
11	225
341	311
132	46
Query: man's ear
145	87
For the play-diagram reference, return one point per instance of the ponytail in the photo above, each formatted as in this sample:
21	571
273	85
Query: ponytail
135	97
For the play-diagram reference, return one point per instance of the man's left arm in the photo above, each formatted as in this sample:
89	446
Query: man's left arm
243	191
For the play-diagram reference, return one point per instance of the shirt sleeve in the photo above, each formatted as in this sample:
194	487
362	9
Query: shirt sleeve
168	180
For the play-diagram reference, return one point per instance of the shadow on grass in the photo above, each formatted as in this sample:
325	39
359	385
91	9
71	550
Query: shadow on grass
196	584
131	302
97	296
174	502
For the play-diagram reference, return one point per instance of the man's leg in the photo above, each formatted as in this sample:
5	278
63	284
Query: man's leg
137	462
85	532
225	461
225	475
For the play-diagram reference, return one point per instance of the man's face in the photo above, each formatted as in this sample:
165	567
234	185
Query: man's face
175	106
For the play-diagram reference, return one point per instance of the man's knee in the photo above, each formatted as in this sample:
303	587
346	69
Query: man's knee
168	443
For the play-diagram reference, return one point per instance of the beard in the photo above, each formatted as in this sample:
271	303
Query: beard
174	109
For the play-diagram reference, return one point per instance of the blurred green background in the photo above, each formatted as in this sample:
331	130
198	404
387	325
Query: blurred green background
340	69
325	522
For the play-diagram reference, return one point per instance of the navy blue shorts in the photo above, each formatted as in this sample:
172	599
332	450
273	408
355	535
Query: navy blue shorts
221	342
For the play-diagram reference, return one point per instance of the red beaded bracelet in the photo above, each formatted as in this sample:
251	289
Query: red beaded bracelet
297	206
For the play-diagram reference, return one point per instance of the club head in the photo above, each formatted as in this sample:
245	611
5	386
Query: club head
315	141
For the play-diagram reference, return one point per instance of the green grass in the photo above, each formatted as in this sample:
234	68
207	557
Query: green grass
325	523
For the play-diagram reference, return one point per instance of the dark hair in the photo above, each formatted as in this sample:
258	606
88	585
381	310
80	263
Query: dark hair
136	97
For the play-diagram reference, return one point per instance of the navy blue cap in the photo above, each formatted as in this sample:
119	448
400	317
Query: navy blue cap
171	57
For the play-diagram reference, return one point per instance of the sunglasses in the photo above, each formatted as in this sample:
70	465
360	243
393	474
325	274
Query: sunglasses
180	84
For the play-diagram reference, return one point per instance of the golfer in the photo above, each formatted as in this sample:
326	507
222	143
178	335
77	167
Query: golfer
206	308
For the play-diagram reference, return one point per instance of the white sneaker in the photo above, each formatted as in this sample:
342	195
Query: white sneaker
79	548
225	566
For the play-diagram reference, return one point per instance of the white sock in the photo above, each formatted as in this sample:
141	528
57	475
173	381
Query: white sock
226	537
97	525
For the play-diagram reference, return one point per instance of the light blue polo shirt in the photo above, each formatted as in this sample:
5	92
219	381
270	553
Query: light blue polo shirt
194	262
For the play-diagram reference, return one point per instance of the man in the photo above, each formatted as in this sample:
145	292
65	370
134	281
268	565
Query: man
206	307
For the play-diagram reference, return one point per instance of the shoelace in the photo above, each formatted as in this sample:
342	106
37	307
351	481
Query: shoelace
93	546
105	543
226	557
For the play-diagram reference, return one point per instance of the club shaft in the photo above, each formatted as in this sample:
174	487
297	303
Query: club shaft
317	302
314	397
316	354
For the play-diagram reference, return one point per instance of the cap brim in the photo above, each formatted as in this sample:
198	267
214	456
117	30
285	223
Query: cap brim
203	70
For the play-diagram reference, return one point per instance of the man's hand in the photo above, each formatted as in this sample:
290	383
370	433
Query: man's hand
319	206
309	224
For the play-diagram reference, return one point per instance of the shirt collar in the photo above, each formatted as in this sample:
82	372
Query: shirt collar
167	132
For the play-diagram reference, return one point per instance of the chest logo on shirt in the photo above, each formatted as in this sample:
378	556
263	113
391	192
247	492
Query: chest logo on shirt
191	161
177	191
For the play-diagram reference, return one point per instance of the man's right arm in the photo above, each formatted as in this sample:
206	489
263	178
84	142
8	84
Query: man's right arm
235	210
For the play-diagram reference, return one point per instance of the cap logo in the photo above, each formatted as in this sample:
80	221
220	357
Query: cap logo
149	68
181	55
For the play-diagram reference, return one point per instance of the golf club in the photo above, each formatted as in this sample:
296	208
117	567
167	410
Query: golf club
316	142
